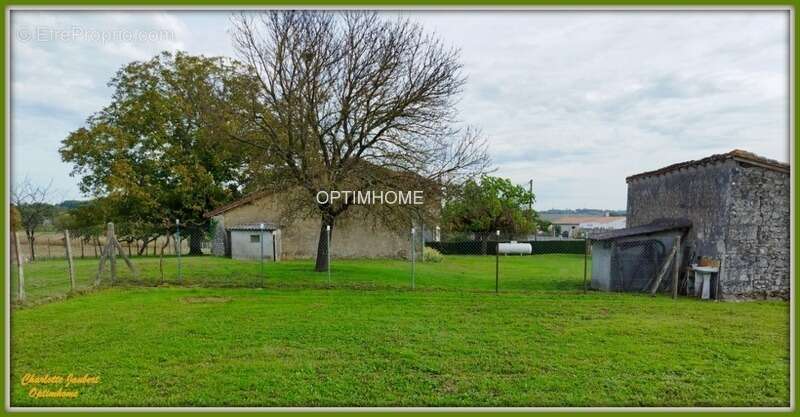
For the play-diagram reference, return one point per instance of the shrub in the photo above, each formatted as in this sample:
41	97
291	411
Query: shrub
431	255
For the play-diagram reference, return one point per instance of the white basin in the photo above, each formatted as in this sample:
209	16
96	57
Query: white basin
703	278
707	269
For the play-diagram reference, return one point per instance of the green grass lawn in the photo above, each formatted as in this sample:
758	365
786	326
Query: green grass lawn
370	341
557	272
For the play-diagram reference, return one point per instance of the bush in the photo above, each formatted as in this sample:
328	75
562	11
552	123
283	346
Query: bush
431	255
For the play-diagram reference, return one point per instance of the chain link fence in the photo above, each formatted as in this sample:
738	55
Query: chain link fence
644	264
421	257
516	262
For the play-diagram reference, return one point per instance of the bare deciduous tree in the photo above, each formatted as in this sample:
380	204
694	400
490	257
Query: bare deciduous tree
349	100
31	201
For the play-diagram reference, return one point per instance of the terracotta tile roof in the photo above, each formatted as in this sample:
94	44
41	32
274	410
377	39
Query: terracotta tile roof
249	198
736	154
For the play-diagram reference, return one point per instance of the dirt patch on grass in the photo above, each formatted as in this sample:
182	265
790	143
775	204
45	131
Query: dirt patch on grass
205	300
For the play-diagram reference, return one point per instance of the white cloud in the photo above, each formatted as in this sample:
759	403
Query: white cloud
575	100
61	64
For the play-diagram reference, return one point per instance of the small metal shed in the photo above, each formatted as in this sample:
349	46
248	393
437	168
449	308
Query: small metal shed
628	260
255	241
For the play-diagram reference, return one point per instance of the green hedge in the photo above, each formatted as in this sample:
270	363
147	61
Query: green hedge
471	247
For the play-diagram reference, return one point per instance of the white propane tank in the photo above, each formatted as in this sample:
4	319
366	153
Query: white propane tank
515	248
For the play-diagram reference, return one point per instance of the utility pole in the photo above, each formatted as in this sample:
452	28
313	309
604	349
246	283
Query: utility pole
530	190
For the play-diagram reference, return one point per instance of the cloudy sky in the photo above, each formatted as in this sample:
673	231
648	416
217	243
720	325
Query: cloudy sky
576	101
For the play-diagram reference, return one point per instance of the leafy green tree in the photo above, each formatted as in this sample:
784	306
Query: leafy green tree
88	221
491	204
542	224
149	154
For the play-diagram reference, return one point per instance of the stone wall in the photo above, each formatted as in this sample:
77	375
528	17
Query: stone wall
739	214
218	242
699	194
757	253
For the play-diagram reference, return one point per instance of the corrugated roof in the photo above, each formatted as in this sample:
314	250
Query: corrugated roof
736	154
254	226
654	227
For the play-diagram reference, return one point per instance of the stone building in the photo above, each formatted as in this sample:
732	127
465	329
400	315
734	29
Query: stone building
739	208
358	233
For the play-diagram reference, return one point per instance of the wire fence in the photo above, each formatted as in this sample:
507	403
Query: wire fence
647	264
51	245
259	256
419	257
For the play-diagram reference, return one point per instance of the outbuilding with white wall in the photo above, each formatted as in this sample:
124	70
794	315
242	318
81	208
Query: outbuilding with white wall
255	241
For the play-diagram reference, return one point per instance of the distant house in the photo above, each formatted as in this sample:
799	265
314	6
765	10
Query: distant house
576	226
602	224
357	234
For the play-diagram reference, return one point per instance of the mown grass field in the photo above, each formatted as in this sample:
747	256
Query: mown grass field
557	272
371	341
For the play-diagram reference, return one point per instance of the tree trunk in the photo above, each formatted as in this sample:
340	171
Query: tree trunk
195	242
322	244
142	250
31	242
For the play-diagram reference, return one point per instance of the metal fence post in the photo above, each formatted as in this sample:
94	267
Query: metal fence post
413	253
261	239
328	232
178	247
585	257
422	241
497	264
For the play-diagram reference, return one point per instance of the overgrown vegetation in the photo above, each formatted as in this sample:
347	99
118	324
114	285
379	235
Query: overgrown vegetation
431	255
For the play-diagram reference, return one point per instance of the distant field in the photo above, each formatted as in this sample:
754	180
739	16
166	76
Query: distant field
371	341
